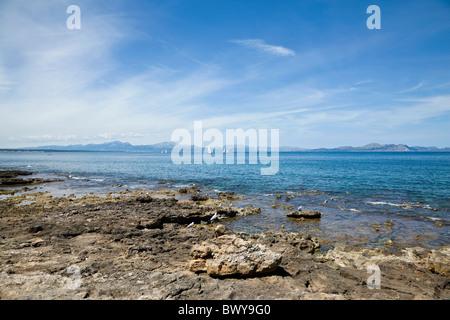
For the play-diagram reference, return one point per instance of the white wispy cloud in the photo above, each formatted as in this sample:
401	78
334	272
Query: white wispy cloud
321	113
417	110
47	138
363	82
411	111
65	85
261	46
420	85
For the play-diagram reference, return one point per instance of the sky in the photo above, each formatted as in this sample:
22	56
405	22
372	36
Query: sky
137	70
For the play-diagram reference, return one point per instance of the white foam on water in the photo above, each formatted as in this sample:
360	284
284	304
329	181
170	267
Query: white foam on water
385	203
77	178
84	178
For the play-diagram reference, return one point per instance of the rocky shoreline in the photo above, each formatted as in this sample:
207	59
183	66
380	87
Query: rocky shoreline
150	245
15	178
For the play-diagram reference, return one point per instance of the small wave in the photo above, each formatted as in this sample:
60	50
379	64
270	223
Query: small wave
77	178
355	210
403	205
375	203
84	178
181	186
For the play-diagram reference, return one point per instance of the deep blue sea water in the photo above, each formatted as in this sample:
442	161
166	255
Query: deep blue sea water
353	190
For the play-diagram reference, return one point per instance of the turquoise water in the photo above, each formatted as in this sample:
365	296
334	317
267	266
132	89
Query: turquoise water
353	190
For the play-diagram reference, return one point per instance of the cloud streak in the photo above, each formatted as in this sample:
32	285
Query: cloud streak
420	85
261	46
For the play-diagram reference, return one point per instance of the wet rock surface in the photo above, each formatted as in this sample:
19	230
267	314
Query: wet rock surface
140	247
299	214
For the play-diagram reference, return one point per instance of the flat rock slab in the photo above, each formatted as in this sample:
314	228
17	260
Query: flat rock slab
304	214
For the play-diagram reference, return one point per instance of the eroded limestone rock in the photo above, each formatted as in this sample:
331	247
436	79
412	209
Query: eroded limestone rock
229	255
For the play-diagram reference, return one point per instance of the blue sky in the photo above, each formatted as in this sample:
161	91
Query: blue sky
137	70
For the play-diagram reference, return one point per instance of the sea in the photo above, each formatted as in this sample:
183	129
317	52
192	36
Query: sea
368	199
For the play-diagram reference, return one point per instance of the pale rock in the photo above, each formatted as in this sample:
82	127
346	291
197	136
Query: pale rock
230	255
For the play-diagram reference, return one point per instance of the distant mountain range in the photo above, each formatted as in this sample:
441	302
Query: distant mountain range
118	146
372	147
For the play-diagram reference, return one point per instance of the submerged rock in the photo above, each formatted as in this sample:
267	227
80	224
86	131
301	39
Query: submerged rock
304	214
